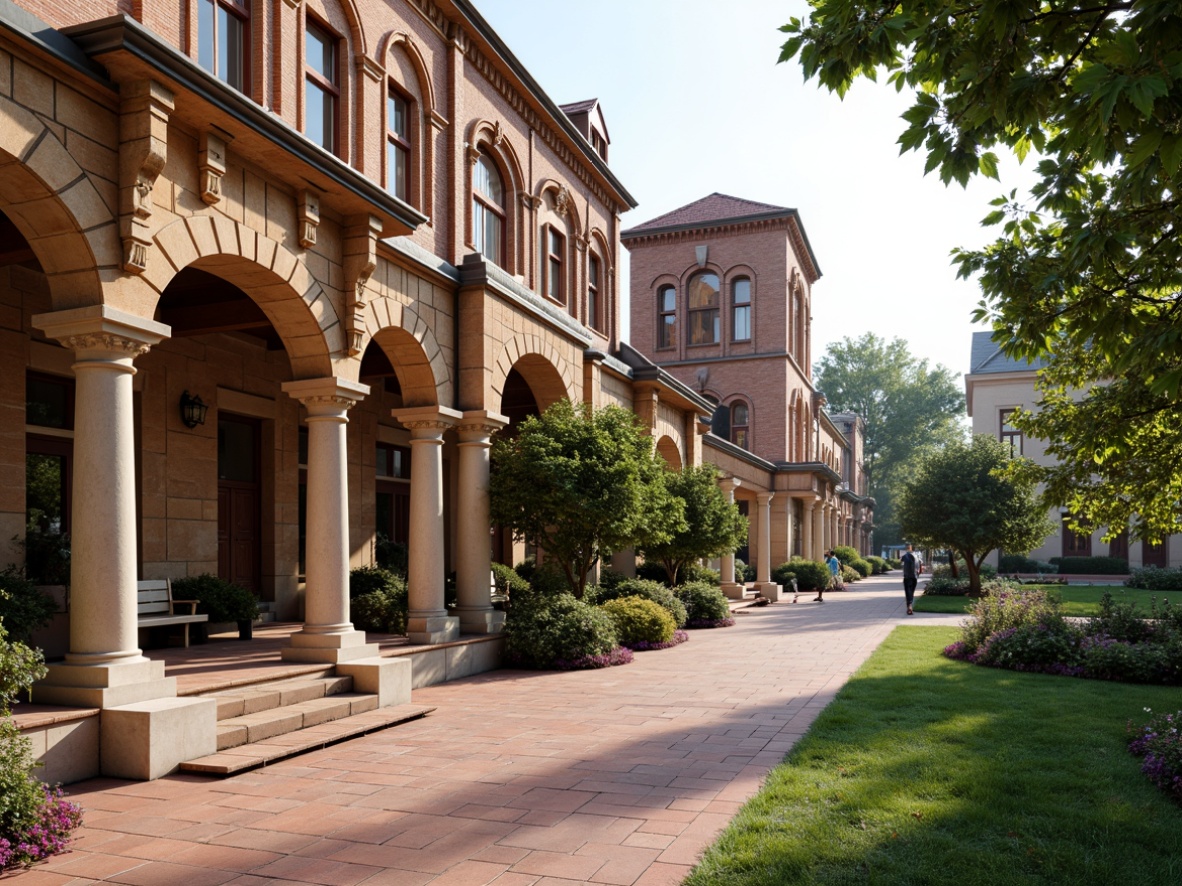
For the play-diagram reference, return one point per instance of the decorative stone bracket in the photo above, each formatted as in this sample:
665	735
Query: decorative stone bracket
143	150
211	160
308	206
361	258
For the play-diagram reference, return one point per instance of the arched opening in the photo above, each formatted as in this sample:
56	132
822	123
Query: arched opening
667	448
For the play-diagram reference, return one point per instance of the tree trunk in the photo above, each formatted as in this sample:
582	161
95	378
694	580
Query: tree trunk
973	567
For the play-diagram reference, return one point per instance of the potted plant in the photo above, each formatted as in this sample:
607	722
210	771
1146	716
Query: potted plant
220	600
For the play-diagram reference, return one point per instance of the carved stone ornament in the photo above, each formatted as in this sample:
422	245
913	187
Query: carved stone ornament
427	424
562	201
473	155
529	201
211	160
329	400
105	341
308	205
144	110
498	134
361	258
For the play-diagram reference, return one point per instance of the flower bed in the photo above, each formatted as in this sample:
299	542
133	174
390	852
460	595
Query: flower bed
1159	743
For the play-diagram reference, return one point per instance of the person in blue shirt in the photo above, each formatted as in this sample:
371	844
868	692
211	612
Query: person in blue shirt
834	575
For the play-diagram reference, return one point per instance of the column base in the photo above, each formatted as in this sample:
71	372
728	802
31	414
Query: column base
104	686
432	629
481	621
333	648
733	590
149	739
769	589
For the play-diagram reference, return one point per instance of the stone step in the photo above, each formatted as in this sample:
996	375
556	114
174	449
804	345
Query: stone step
259	697
266	724
309	738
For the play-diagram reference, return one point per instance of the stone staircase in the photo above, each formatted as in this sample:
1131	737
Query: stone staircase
265	722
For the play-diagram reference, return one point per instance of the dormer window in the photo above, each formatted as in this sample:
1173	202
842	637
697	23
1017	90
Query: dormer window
599	144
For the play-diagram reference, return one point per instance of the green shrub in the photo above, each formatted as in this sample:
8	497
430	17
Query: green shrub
1008	609
558	631
35	821
652	572
1120	621
863	567
648	590
23	608
639	621
507	582
894	563
694	572
1107	659
744	572
1091	565
377	600
846	554
705	605
784	575
946	586
810	575
1007	563
391	555
1033	647
220	600
1154	578
878	565
849	574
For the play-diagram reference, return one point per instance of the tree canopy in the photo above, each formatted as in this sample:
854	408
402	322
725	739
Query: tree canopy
713	526
906	406
961	497
576	481
1087	269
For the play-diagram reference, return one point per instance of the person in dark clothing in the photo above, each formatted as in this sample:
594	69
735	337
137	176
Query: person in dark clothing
912	569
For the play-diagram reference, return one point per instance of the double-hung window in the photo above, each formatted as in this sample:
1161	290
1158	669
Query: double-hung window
666	317
1011	437
223	40
322	87
594	308
553	264
488	210
741	310
398	145
740	421
703	310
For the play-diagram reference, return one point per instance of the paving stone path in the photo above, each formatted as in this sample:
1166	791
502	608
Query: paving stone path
614	776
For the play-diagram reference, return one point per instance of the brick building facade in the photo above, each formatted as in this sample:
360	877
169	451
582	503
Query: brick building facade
362	236
721	298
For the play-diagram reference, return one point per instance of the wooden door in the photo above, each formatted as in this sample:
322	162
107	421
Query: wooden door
238	501
1153	555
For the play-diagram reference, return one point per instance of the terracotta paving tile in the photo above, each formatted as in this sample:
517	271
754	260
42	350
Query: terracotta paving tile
266	841
229	858
157	873
558	864
622	864
91	864
496	853
470	873
488	813
319	871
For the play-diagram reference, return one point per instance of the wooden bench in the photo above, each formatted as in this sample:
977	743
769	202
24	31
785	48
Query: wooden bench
156	608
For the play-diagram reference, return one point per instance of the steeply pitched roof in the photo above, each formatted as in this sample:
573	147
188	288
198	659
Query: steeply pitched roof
711	210
987	357
578	107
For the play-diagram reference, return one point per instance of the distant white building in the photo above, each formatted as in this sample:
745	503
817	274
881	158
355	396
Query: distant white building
995	386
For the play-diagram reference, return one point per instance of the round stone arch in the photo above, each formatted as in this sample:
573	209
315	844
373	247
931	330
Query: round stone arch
668	449
413	351
549	375
273	277
56	207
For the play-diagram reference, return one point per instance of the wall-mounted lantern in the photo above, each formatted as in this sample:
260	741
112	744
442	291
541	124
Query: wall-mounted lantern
193	410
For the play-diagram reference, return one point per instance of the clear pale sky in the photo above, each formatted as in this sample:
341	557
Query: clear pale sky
695	102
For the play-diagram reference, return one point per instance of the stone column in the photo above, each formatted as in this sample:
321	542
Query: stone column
819	546
146	730
474	554
427	619
806	529
104	666
763	563
730	587
328	634
789	529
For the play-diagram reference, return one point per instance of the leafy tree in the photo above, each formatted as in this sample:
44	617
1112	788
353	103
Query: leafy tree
575	481
906	405
1087	272
962	498
713	526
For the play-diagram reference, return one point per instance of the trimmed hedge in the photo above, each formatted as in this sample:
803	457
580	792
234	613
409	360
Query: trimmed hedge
378	600
640	622
547	631
810	575
1153	578
1091	565
705	605
639	587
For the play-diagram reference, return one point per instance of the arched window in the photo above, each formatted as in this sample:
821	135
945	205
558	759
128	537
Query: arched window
488	210
740	421
553	263
322	85
702	299
741	309
666	317
223	40
720	422
398	150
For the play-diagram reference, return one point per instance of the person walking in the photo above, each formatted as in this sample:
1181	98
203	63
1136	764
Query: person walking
834	576
912	569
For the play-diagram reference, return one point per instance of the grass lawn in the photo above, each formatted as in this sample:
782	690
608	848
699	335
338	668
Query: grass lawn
925	770
1080	600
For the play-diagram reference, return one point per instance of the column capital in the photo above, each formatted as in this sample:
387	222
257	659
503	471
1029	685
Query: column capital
730	484
326	396
764	497
475	424
427	418
102	331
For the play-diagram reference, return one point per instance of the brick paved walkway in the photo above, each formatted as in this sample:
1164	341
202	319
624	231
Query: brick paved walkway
615	776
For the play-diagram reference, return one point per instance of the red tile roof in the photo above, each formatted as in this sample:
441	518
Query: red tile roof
711	210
